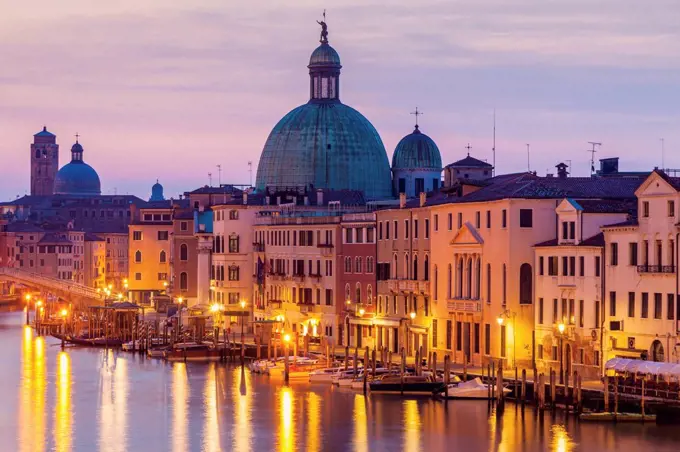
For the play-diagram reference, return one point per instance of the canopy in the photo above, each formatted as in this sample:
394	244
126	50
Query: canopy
642	367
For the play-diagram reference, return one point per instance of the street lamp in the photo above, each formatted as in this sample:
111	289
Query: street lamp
361	312
409	336
500	319
243	308
179	321
560	328
28	300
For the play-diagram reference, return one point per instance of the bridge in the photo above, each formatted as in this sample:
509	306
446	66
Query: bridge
64	289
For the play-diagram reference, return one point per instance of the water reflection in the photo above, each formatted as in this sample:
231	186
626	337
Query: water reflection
242	394
313	422
62	416
32	395
360	424
113	381
180	402
412	425
560	439
211	431
286	424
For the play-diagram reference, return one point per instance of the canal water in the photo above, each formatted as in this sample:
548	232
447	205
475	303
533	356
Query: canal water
89	400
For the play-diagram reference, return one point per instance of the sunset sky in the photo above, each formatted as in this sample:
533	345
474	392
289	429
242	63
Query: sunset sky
168	90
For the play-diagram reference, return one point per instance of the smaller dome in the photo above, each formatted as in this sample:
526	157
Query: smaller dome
324	55
157	192
416	150
76	147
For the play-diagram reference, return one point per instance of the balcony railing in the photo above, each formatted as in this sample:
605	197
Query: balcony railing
275	303
408	285
258	247
464	305
656	268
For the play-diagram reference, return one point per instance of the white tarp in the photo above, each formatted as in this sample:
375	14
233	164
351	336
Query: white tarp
642	367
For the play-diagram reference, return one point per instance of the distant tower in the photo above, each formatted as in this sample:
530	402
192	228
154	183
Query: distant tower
157	192
44	163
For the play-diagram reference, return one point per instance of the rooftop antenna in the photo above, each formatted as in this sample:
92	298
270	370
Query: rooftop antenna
528	159
250	170
493	149
416	114
569	165
209	179
662	153
219	175
592	155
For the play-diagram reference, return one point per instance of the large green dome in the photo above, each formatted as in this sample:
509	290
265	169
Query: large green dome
324	143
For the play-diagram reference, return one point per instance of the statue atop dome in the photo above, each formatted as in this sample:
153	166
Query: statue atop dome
324	29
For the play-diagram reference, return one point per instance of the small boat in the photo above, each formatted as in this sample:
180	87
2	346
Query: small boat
156	352
325	375
472	389
299	367
192	352
617	417
358	382
419	385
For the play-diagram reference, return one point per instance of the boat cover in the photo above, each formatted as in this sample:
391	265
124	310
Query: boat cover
642	367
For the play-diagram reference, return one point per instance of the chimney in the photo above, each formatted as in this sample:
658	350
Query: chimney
245	198
609	166
319	197
423	198
402	200
562	172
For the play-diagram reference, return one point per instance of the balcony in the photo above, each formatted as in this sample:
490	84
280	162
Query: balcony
656	268
326	249
299	277
306	308
316	278
463	305
258	247
408	286
275	304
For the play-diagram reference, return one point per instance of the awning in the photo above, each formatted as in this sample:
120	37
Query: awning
358	321
418	329
386	322
642	367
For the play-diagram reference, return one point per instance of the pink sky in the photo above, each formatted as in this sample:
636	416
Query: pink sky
169	90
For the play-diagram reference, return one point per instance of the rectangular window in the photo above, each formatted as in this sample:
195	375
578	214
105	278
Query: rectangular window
380	231
137	235
488	219
657	305
581	266
162	235
387	230
526	219
396	230
633	252
670	314
504	218
459	336
671	208
564	310
406	229
539	351
427	228
612	304
449	334
476	337
138	276
478	219
614	253
503	347
329	297
572	266
487	339
581	314
645	209
460	220
565	230
436	222
540	265
554	353
540	311
552	265
565	265
554	313
644	310
572	314
450	221
572	230
597	266
597	313
631	304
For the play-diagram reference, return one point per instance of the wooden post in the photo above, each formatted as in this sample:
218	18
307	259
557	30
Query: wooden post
464	367
535	382
492	376
524	386
541	391
389	359
276	349
286	365
642	399
447	374
403	368
616	395
356	361
579	401
499	387
553	389
434	364
373	358
606	393
417	364
365	373
515	393
346	357
258	351
566	391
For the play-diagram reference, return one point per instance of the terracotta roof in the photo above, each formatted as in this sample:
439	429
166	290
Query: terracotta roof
596	240
608	205
631	222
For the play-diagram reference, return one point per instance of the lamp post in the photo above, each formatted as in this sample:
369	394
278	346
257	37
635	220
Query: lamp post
28	300
179	321
243	308
560	328
38	307
507	313
408	334
63	313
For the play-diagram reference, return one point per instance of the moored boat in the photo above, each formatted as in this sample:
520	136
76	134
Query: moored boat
472	389
325	375
418	385
192	352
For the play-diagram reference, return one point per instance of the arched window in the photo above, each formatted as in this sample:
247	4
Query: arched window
233	243
348	264
406	266
138	256
459	278
448	286
233	214
436	282
395	275
183	281
426	268
525	283
183	252
468	283
357	268
380	302
348	293
369	265
488	283
369	294
415	268
505	285
162	258
358	292
478	279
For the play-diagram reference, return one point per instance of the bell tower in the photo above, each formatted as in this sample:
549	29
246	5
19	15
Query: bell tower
44	163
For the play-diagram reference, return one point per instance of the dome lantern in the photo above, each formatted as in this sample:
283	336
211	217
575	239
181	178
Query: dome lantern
324	70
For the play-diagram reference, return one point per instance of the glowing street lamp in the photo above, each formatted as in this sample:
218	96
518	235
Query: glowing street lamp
560	328
361	312
286	338
243	308
500	320
412	315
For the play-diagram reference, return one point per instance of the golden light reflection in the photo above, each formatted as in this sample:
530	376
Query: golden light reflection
560	441
412	425
180	401
360	422
32	394
313	422
113	403
286	425
242	396
62	415
211	431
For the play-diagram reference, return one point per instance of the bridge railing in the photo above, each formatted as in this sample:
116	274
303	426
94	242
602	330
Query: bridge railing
53	283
